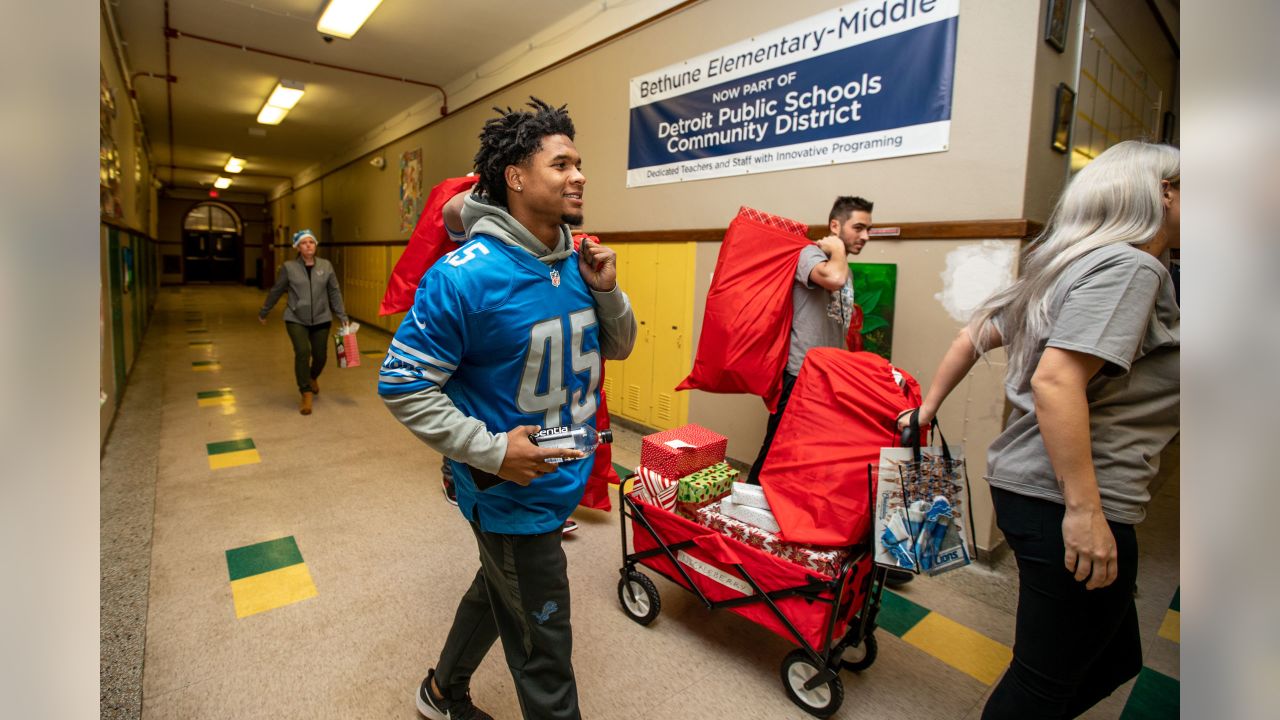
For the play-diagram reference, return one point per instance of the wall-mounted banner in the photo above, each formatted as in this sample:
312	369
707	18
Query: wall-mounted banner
868	80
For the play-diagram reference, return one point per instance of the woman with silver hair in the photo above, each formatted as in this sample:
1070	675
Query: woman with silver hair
314	298
1091	332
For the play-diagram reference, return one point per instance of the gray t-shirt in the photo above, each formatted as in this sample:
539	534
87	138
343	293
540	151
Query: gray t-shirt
811	324
1116	303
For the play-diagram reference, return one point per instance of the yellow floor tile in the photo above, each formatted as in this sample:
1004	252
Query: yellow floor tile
968	651
271	590
1171	628
233	459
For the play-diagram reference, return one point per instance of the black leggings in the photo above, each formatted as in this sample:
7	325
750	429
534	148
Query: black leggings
771	429
1073	647
310	350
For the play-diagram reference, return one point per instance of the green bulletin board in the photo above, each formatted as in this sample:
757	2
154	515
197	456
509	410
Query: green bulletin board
874	290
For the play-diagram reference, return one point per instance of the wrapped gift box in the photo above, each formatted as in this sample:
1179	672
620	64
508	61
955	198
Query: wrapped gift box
752	496
707	484
656	489
684	450
826	561
689	510
753	516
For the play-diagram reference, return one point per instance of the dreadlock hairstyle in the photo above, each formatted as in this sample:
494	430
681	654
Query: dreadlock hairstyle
511	139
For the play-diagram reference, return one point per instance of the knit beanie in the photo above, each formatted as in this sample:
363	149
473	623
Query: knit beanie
297	237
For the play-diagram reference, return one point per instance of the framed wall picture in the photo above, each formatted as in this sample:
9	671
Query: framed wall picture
1055	24
1064	107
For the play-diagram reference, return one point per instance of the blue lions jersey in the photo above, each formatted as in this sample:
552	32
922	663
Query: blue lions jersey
512	341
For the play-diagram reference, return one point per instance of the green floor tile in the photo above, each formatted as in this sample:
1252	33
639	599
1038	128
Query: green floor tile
1154	697
623	472
226	446
210	394
262	557
898	614
1176	605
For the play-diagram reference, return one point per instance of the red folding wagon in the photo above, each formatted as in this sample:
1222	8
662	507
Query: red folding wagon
827	492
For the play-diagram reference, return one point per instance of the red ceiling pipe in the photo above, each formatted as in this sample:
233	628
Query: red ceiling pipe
175	33
133	90
168	71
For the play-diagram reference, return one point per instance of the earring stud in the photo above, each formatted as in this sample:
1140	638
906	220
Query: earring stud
519	188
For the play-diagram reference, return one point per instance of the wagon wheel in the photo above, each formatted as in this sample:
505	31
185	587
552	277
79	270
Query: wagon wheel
823	700
861	657
639	597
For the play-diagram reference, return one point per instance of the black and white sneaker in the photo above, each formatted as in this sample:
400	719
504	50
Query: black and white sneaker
437	708
569	526
449	493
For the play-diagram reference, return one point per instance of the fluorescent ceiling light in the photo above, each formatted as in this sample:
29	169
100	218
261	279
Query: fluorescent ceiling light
234	165
287	94
271	115
222	183
343	18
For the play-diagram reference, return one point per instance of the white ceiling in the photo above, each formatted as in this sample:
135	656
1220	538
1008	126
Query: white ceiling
220	89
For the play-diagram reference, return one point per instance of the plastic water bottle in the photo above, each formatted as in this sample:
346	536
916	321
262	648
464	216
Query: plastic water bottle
583	438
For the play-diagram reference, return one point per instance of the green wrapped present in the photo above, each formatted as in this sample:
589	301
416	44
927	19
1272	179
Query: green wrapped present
707	484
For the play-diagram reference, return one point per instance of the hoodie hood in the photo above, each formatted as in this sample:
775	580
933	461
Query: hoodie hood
481	216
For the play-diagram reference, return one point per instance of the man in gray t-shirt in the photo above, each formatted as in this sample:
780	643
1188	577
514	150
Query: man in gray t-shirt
821	299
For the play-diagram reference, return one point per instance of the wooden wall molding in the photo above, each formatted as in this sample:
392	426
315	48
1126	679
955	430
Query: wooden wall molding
1014	229
122	227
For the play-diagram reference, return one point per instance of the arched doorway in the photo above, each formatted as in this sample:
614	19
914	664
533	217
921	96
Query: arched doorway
212	245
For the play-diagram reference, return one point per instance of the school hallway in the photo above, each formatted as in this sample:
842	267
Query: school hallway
257	563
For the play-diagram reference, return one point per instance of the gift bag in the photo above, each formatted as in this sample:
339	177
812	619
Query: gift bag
922	502
347	348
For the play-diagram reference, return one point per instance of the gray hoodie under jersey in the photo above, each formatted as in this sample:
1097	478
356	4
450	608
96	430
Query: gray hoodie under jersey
432	416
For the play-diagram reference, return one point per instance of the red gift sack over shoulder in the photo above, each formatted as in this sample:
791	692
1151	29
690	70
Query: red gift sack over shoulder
746	328
843	409
683	451
428	243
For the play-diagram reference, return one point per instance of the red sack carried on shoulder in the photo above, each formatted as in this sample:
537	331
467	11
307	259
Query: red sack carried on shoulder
843	409
746	329
428	243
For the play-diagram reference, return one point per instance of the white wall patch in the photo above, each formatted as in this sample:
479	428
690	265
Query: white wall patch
975	273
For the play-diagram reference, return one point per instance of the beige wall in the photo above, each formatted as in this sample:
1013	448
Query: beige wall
995	145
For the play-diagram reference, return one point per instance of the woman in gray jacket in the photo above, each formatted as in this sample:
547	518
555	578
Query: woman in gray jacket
314	298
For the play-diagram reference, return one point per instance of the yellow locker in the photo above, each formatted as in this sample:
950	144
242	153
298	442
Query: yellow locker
637	400
658	279
673	315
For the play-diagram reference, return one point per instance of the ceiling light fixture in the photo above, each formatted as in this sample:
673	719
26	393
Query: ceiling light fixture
235	165
222	183
343	18
286	94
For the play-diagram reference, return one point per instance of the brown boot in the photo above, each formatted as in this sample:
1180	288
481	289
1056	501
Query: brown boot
315	386
305	407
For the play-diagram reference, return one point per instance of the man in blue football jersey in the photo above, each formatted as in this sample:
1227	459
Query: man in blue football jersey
505	336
